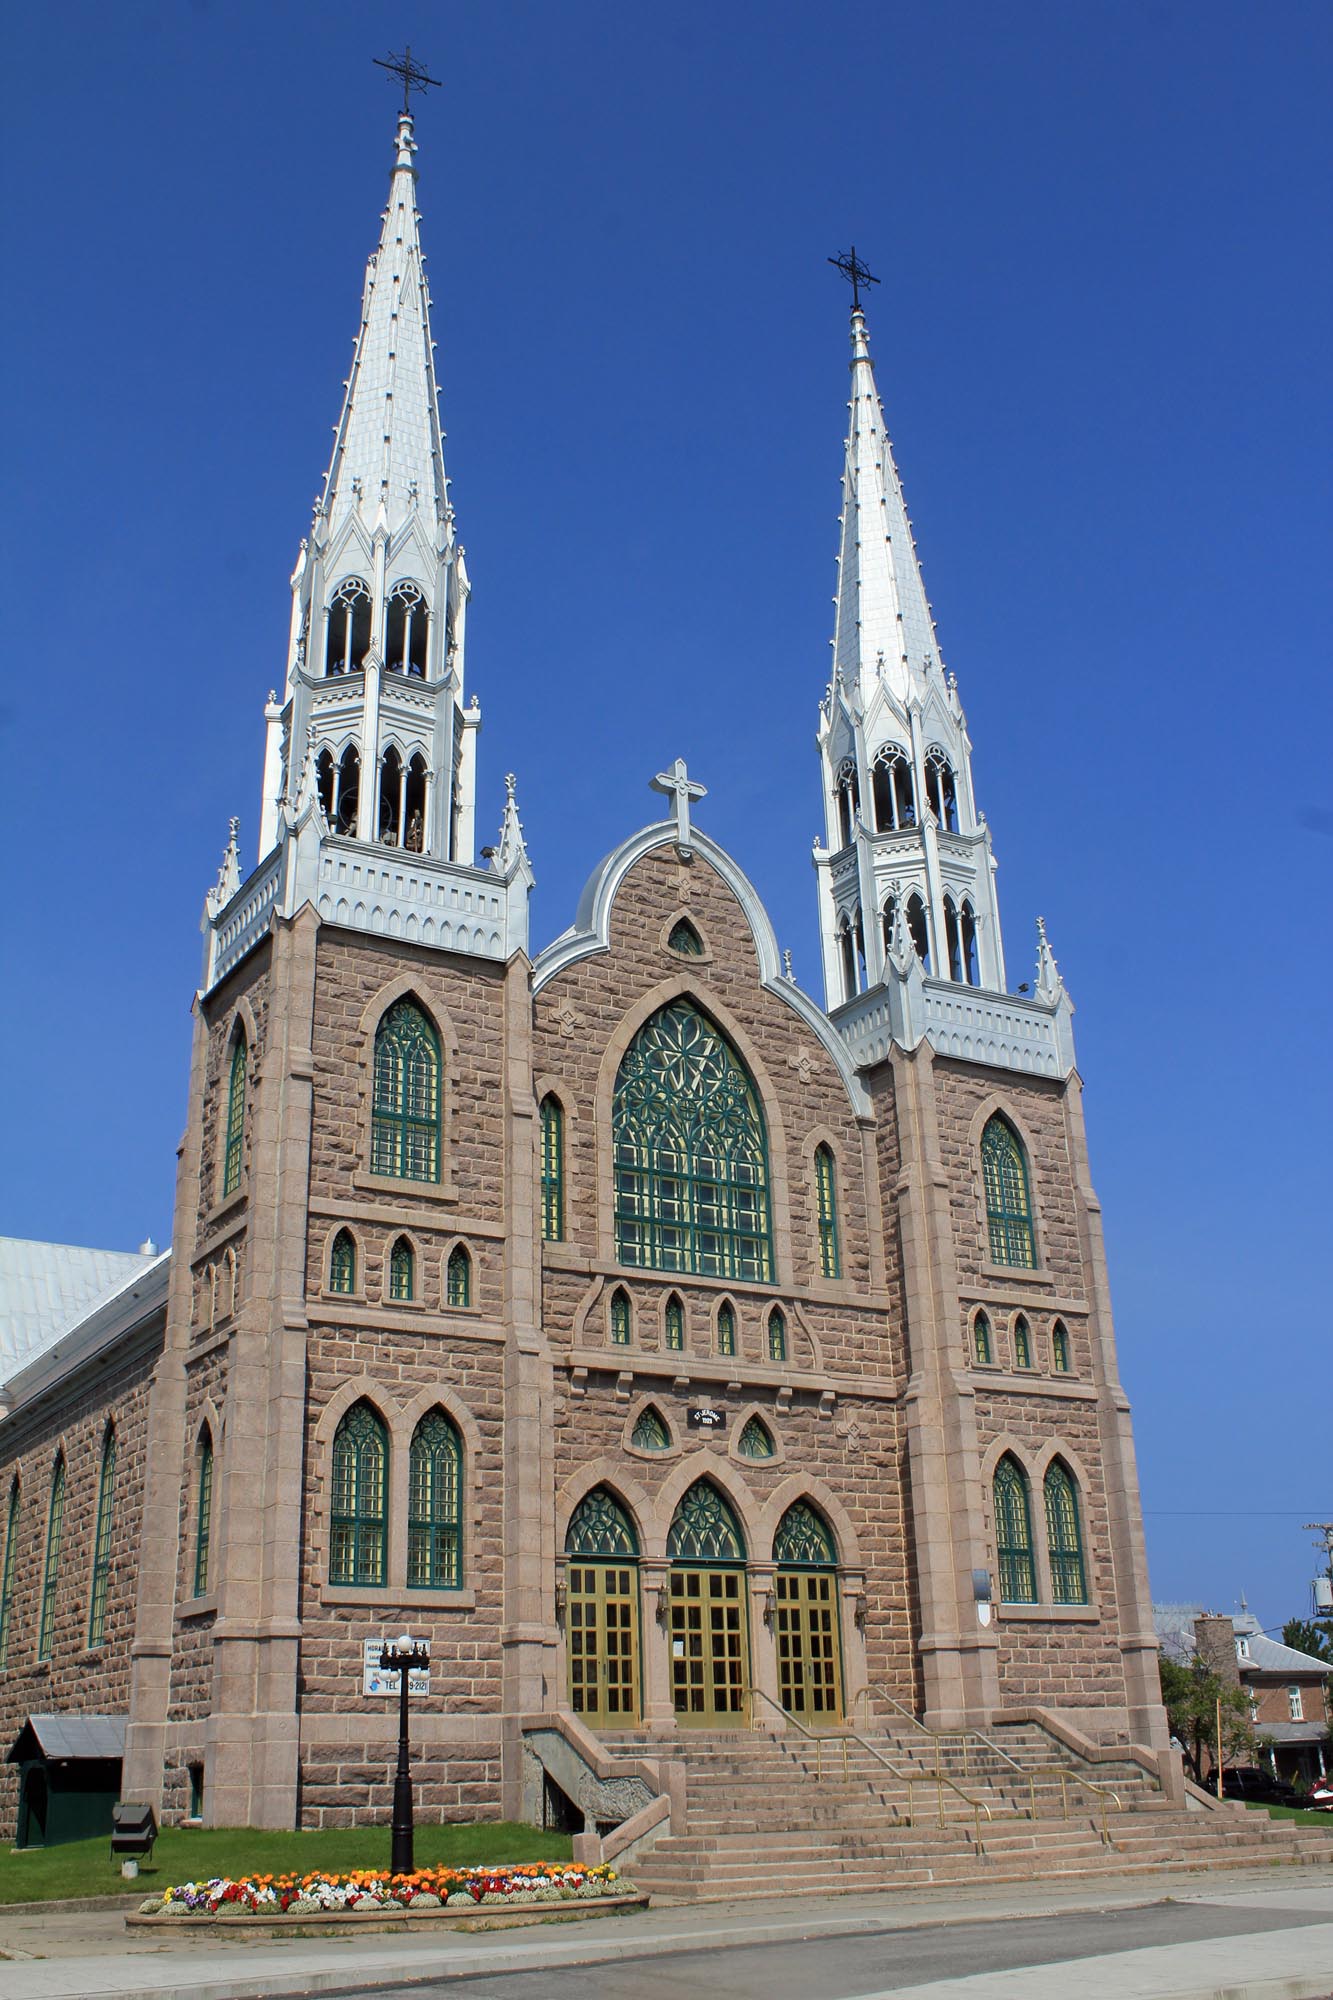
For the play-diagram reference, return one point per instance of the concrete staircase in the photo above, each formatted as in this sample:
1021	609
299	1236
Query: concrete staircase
775	1813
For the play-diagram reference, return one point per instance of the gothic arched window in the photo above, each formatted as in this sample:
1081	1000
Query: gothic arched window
650	1432
777	1335
1064	1536
919	930
755	1440
55	1535
402	1270
103	1534
847	955
434	1505
691	1155
953	940
7	1574
1013	1533
849	799
405	1130
599	1526
968	927
342	1262
203	1511
803	1538
620	1317
1060	1348
704	1529
942	789
349	627
981	1339
1022	1343
347	792
406	626
685	939
391	797
1004	1171
726	1328
894	792
674	1324
458	1277
553	1170
358	1532
826	1202
235	1140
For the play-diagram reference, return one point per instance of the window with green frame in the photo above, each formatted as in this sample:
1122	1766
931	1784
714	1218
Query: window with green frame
1004	1171
599	1526
704	1529
342	1262
1064	1536
1060	1348
405	1122
1013	1534
726	1328
434	1505
620	1317
674	1324
102	1533
458	1277
358	1532
553	1170
690	1152
203	1511
402	1270
650	1432
804	1539
755	1440
12	1516
685	939
981	1339
234	1150
55	1535
777	1335
1022	1343
827	1201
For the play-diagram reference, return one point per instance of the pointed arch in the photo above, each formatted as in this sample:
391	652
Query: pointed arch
755	1439
673	1324
103	1538
620	1318
347	627
435	1504
649	1430
552	1168
1064	1535
918	929
725	1326
1013	1532
1022	1338
826	1209
458	1277
1004	1170
599	1526
203	1510
233	1151
407	626
407	1095
13	1517
342	1262
704	1527
359	1525
804	1538
982	1347
684	938
402	1286
55	1535
942	788
1061	1363
777	1334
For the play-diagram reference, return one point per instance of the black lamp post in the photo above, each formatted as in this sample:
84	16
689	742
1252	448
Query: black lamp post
400	1656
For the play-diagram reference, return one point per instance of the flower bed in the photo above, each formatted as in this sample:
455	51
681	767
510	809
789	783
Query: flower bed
368	1890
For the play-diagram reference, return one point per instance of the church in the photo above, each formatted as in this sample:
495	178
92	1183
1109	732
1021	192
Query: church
677	1355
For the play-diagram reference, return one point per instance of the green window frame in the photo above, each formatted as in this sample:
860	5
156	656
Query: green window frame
1013	1533
1060	1348
458	1277
674	1325
405	1120
599	1526
685	939
755	1440
1064	1536
12	1519
621	1323
102	1533
690	1153
777	1335
55	1534
704	1528
358	1532
1022	1343
981	1339
1004	1173
342	1262
804	1539
402	1270
726	1328
826	1198
650	1432
235	1145
434	1506
203	1512
553	1170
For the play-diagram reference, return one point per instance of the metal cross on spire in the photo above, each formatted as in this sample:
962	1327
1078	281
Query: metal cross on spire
677	784
413	75
856	274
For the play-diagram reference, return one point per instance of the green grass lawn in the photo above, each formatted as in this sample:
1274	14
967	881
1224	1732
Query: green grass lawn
1323	1819
84	1867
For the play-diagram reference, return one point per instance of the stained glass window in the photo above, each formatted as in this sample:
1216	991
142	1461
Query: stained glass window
102	1533
203	1517
650	1433
675	1324
458	1277
1064	1539
803	1536
1060	1349
405	1131
754	1440
691	1158
434	1481
726	1328
402	1270
828	1213
620	1317
7	1576
1013	1534
1022	1343
1008	1198
55	1535
231	1166
359	1529
704	1529
553	1170
777	1335
981	1339
342	1262
599	1526
684	937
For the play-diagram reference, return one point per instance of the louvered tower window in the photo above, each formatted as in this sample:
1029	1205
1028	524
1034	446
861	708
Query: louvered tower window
1013	1534
405	1131
1004	1170
827	1200
434	1513
553	1170
102	1538
359	1525
231	1168
1064	1538
55	1535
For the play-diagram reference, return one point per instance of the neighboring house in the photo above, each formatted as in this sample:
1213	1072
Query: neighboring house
1289	1701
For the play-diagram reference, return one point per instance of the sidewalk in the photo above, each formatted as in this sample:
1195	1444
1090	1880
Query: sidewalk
90	1956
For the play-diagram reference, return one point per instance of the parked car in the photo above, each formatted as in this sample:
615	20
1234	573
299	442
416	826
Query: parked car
1249	1781
1320	1795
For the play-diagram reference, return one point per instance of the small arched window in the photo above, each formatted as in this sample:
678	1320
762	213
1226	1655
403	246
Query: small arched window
981	1340
919	930
1060	1348
342	1262
685	939
203	1512
777	1335
434	1505
894	792
349	627
553	1170
1064	1536
55	1535
942	789
406	625
7	1574
347	792
103	1534
620	1317
358	1533
849	800
650	1432
726	1328
391	796
326	781
402	1270
826	1202
1004	1171
674	1324
458	1276
755	1440
414	805
847	955
1022	1343
1013	1533
968	926
405	1126
235	1141
953	939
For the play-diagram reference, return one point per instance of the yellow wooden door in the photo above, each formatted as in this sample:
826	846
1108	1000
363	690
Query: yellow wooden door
602	1641
710	1663
808	1643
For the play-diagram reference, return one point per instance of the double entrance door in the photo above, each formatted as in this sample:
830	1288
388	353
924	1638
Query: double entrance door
710	1649
602	1631
808	1648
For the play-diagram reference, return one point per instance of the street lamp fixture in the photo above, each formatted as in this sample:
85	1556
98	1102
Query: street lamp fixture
402	1656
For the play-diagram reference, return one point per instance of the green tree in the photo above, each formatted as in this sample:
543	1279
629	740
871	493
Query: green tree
1190	1694
1310	1635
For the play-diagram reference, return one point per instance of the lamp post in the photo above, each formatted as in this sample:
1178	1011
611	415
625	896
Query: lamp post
400	1656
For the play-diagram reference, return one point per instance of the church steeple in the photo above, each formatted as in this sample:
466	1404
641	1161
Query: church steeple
905	846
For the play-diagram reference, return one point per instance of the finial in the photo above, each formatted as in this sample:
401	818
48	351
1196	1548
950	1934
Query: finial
787	972
856	274
511	785
411	73
1049	983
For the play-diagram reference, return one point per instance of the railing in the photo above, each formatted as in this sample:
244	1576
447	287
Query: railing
909	1778
1066	1777
937	1736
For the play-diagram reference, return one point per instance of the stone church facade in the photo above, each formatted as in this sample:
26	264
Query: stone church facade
670	1351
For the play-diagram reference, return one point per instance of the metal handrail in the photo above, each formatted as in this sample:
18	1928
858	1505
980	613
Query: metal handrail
1103	1792
938	1736
909	1778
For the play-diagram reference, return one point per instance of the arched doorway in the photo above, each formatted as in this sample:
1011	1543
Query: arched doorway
809	1641
710	1643
602	1610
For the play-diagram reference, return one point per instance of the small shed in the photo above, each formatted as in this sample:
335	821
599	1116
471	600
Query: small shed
69	1776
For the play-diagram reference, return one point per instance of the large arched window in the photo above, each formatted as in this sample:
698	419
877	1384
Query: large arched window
826	1199
203	1512
704	1529
434	1511
1013	1533
103	1533
358	1533
405	1132
1064	1536
691	1155
55	1535
1004	1170
7	1574
553	1170
235	1143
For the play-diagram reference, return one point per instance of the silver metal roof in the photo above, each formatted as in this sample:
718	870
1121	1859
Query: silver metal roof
78	1735
47	1288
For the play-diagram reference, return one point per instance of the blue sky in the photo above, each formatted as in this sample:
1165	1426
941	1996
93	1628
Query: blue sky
1101	333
